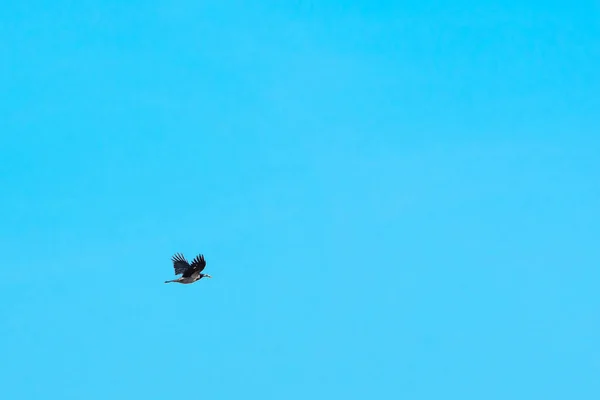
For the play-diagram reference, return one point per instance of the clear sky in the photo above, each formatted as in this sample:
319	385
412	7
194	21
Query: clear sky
396	200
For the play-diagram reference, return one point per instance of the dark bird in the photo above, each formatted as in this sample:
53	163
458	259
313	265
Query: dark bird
190	273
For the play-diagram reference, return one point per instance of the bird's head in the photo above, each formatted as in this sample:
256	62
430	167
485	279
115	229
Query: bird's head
207	276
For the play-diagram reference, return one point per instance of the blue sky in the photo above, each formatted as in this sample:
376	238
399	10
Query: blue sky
396	200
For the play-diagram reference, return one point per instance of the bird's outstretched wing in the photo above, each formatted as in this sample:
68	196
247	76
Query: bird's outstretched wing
197	266
199	263
180	264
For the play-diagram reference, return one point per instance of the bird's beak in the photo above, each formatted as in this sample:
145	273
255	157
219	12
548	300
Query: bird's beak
208	276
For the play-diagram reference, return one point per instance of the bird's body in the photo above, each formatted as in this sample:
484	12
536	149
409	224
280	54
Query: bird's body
190	273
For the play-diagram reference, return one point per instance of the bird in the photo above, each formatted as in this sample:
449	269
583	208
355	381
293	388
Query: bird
190	273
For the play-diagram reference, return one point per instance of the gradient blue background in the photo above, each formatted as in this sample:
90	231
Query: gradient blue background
397	200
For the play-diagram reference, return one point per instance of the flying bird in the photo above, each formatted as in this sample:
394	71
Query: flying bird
190	273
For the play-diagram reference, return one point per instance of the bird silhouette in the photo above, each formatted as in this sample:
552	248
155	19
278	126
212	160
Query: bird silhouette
190	273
